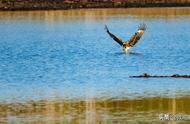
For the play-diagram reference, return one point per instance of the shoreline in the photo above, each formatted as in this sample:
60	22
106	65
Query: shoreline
12	10
81	110
93	8
101	101
27	5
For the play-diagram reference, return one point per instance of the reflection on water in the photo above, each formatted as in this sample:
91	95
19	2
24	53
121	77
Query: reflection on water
95	111
60	67
51	16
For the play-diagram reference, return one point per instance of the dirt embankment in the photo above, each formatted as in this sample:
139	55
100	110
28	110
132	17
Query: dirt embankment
74	4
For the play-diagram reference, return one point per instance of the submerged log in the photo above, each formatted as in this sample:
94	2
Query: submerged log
146	75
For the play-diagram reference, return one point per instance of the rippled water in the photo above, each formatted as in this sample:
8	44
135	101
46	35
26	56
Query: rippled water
58	55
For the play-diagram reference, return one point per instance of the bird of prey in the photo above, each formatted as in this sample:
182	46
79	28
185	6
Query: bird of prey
132	41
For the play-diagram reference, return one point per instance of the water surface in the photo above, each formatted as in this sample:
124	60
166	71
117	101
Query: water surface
67	55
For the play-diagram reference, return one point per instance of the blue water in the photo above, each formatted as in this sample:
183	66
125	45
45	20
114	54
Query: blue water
68	55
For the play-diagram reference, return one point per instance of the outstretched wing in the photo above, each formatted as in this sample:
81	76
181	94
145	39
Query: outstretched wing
118	40
135	38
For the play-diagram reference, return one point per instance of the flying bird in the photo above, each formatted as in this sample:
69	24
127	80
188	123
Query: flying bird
132	41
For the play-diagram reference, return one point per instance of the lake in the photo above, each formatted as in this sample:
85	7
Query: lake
62	67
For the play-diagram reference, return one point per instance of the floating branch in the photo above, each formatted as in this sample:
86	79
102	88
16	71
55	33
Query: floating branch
146	75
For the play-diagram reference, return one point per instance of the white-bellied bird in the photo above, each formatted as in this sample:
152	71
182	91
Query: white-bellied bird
132	41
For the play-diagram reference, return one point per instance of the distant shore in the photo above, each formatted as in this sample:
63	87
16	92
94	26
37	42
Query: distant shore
13	5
